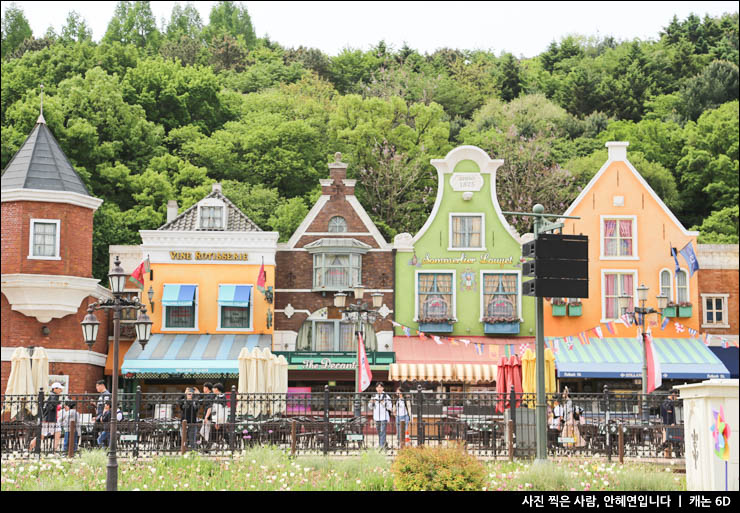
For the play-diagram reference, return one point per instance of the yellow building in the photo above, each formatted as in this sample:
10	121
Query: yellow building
206	298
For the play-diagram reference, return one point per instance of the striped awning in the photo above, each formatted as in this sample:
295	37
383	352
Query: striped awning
191	354
234	295
442	372
178	295
680	358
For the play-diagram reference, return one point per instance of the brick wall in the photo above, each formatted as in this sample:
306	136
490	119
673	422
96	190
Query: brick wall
75	248
721	281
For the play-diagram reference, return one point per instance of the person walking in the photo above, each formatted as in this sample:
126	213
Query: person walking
668	409
402	411
68	416
190	407
206	399
381	405
49	425
104	419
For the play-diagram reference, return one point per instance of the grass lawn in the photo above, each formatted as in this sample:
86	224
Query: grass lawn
271	469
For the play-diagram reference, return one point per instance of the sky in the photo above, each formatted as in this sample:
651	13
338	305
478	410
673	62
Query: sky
522	28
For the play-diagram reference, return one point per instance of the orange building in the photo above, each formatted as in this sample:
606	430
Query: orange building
207	299
630	233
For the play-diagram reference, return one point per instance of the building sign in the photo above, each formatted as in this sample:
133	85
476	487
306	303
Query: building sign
466	182
327	364
321	361
465	260
208	255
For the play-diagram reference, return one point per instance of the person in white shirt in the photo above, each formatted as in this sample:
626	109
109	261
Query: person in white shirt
381	405
68	415
402	411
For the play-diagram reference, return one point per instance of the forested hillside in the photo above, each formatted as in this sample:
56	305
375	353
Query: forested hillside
152	113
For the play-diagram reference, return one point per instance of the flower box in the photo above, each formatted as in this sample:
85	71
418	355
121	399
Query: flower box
435	327
575	310
684	311
559	310
669	311
506	328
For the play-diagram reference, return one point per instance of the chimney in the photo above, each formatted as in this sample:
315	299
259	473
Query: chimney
337	184
617	150
216	188
171	210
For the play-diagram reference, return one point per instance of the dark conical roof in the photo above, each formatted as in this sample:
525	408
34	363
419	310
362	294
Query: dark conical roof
41	164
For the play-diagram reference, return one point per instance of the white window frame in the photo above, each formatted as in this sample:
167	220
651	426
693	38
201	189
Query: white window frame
688	284
672	292
450	237
195	308
518	293
328	226
635	281
454	290
725	299
57	256
324	267
211	202
251	310
635	252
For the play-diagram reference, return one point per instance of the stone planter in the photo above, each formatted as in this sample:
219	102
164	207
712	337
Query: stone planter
505	328
684	311
559	310
575	310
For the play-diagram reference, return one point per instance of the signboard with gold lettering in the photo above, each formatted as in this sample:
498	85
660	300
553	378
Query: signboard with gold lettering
208	255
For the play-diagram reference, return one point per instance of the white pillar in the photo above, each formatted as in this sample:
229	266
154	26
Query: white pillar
704	470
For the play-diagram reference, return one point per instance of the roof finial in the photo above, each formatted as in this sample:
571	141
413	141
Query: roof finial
41	115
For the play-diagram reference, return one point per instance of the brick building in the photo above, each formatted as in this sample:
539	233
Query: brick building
336	247
719	300
47	283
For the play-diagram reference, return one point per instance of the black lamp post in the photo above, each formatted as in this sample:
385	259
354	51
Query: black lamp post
359	314
624	300
90	326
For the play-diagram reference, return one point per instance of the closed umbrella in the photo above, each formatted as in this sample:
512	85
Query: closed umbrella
260	381
515	368
282	372
241	405
549	372
20	383
528	374
267	407
501	384
40	370
251	361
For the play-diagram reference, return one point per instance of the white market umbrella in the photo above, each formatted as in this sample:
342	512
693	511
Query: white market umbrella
241	406
20	382
40	370
251	378
282	381
260	384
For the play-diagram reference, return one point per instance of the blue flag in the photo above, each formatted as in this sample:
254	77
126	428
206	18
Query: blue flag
675	258
688	254
665	323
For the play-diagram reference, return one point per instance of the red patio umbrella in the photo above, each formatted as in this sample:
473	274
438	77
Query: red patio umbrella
501	384
514	377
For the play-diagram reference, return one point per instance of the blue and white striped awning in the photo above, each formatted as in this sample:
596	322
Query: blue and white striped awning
234	295
178	295
191	354
680	358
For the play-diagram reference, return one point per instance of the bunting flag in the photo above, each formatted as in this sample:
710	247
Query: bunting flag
705	337
396	324
569	344
692	331
611	327
479	349
454	342
407	331
654	374
556	346
725	343
466	342
584	339
492	351
653	323
688	254
437	340
665	323
422	336
598	331
137	277
626	320
679	327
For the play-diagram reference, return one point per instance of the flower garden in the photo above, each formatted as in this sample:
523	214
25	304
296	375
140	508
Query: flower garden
269	469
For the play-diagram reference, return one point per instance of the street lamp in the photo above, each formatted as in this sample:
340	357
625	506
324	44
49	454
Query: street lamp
359	313
624	302
90	326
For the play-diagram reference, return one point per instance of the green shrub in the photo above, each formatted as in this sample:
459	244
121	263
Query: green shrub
438	469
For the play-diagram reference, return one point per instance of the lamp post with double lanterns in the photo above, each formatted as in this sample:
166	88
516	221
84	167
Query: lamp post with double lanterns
359	314
624	303
90	325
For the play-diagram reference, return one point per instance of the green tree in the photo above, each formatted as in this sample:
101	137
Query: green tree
76	29
721	227
133	23
184	21
15	29
509	77
715	85
228	18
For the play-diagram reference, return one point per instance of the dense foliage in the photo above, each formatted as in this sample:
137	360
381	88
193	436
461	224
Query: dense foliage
443	469
150	114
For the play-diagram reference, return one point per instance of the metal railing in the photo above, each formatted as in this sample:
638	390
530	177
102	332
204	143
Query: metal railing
490	424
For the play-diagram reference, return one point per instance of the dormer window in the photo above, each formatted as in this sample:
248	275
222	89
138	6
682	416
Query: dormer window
337	224
211	214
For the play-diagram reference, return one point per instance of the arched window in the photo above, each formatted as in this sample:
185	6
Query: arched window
682	286
665	284
337	224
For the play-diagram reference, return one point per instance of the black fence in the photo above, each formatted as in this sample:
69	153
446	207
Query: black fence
489	424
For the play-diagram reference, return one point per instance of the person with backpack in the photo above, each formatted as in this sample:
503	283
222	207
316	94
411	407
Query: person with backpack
402	411
49	425
381	405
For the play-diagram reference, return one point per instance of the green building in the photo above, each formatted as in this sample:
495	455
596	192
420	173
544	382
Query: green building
459	279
